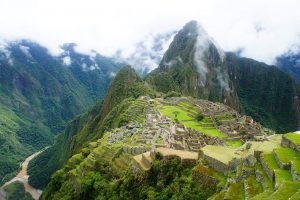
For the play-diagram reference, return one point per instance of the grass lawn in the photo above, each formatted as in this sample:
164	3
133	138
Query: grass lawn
234	143
184	118
294	137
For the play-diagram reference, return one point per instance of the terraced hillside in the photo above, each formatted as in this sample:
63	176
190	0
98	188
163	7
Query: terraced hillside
163	144
272	174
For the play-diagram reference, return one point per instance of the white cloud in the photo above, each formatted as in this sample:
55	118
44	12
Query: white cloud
67	60
25	50
263	28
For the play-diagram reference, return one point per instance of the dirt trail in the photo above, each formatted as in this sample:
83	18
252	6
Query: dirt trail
23	177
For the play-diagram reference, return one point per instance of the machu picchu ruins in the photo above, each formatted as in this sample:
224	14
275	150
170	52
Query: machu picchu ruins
226	150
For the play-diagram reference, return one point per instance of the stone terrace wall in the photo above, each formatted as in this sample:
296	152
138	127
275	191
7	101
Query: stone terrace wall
281	164
293	173
205	179
215	164
269	172
288	143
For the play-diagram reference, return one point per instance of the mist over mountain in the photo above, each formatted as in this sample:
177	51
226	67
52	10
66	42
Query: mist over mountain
40	93
147	54
290	64
195	66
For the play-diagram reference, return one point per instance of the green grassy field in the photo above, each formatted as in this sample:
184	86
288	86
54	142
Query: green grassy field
186	118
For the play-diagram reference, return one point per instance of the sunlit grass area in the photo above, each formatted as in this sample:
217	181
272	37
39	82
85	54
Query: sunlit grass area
188	119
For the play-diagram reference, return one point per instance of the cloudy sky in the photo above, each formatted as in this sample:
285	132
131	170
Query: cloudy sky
262	28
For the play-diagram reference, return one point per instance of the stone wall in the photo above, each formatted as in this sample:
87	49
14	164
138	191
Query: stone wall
135	150
260	178
269	172
282	165
288	143
295	176
203	178
215	164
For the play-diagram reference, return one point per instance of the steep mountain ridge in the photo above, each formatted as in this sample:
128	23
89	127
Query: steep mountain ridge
38	96
88	126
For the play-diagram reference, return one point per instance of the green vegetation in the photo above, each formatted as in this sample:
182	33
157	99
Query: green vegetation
166	180
281	174
39	95
16	191
185	117
270	160
294	137
235	191
234	143
118	108
286	155
199	117
285	190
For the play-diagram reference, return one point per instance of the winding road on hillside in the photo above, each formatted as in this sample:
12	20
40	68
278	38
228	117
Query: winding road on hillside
23	178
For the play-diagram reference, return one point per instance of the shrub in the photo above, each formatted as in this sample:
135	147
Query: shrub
199	117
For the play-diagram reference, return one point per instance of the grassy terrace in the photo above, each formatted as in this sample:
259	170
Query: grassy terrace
285	190
234	143
186	117
235	191
287	155
222	153
269	184
294	137
281	174
254	187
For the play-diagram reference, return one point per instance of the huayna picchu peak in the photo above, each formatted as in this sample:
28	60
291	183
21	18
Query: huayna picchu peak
119	108
195	66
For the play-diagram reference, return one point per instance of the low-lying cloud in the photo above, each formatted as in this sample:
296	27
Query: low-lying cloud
263	29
